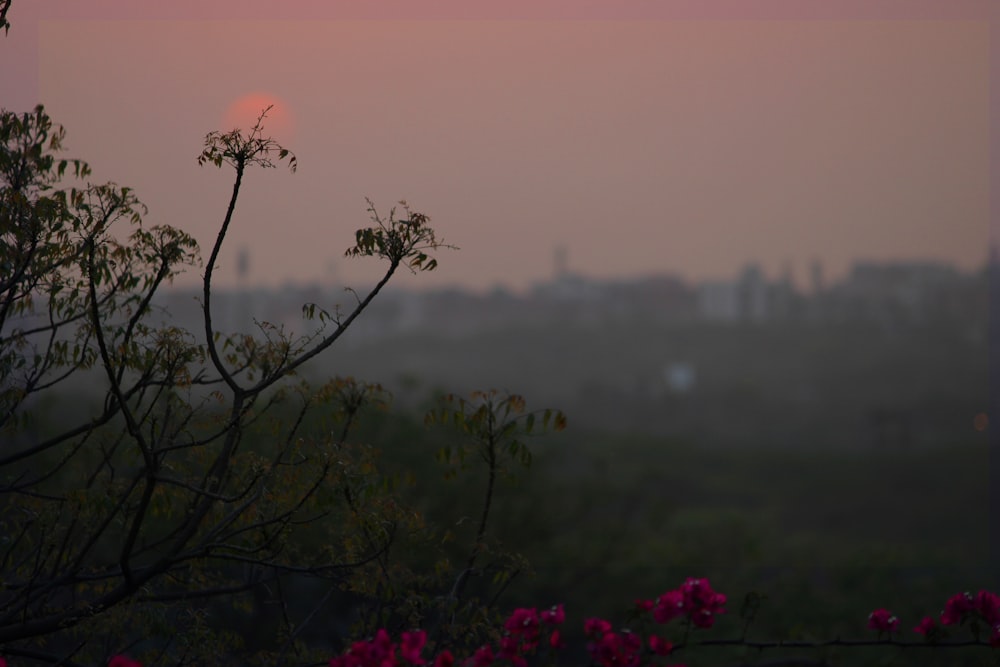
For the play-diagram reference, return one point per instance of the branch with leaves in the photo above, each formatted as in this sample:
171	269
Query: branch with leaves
185	479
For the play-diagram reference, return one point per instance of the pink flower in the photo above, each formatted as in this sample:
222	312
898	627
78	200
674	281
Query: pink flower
510	647
554	616
595	627
410	646
669	606
956	608
694	599
377	652
882	620
444	659
510	650
660	646
483	657
116	661
926	627
988	606
616	650
523	626
521	619
699	597
644	605
556	641
703	618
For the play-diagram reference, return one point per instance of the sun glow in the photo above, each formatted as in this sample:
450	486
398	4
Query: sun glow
243	113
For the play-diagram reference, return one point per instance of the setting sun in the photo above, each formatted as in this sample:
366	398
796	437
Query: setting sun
244	111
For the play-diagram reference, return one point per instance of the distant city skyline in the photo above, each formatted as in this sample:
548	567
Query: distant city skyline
681	140
894	295
803	274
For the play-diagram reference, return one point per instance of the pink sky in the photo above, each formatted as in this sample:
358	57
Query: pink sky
687	137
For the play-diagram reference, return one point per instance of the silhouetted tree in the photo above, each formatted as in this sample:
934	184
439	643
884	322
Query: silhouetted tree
192	479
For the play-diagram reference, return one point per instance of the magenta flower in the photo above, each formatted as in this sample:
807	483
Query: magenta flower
659	645
510	650
926	627
524	631
616	650
956	608
377	652
703	618
669	606
483	657
444	659
595	627
116	661
521	619
883	621
554	616
694	599
510	646
987	604
410	646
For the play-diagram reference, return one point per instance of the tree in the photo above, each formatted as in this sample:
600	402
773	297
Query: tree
4	8
197	476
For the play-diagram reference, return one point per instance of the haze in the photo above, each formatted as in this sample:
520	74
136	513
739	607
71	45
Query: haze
642	146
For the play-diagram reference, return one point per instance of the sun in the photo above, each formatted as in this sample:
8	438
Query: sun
243	112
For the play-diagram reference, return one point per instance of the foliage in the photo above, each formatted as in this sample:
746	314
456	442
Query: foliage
4	8
201	490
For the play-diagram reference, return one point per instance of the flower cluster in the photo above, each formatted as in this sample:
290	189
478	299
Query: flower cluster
694	599
522	634
523	631
612	649
961	608
620	649
381	651
883	620
122	661
984	607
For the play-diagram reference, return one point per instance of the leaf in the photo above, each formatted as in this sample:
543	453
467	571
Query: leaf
560	422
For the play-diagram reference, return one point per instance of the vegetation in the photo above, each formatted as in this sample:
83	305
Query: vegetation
184	485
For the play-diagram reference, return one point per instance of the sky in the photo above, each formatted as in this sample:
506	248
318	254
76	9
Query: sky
672	137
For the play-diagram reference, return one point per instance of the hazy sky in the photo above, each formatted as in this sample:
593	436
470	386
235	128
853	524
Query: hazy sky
686	137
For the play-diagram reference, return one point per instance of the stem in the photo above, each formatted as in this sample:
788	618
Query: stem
207	290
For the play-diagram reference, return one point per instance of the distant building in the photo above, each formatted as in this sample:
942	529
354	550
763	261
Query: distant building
751	298
897	292
569	287
753	293
719	302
